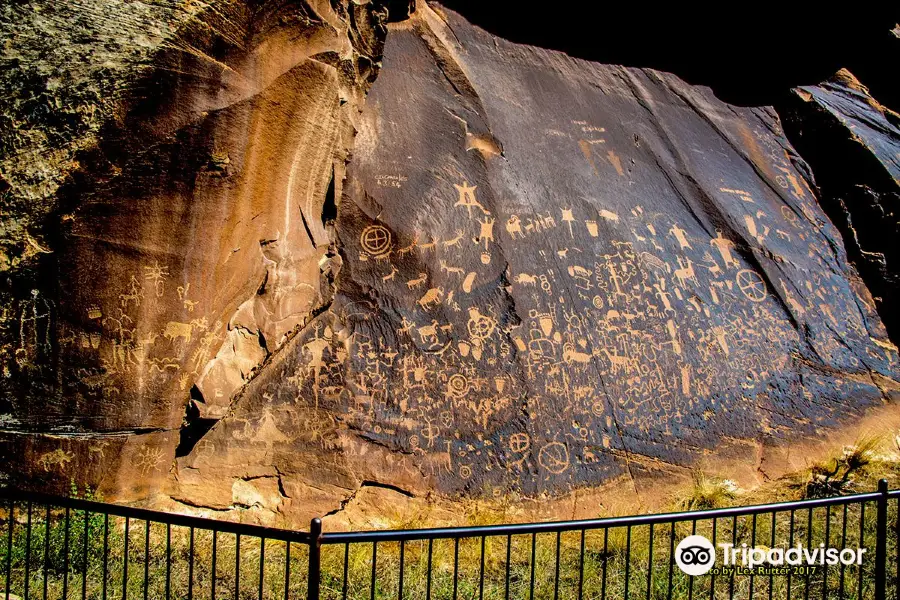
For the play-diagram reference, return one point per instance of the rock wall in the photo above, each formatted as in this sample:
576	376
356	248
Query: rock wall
555	274
534	275
852	141
190	232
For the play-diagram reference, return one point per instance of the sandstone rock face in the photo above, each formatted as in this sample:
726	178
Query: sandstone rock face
534	275
554	274
853	144
193	236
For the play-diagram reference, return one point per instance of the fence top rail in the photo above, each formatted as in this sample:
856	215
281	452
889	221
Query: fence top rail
155	516
389	535
589	524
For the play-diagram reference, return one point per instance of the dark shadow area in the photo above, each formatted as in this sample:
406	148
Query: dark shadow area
194	427
748	56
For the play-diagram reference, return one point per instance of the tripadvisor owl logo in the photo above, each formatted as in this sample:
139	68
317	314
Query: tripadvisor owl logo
695	555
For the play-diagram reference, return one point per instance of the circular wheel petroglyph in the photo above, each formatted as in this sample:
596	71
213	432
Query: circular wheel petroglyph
375	240
751	284
554	457
458	385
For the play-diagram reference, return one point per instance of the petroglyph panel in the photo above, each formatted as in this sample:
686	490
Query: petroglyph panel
639	273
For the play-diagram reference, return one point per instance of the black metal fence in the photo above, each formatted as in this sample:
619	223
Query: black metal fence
72	548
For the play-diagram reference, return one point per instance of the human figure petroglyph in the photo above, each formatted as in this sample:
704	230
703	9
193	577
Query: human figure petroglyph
486	233
679	234
157	275
467	198
685	272
724	246
663	295
135	295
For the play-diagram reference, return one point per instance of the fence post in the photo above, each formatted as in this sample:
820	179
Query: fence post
881	541
315	556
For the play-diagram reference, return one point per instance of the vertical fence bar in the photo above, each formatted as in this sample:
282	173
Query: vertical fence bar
581	569
212	575
809	536
105	556
375	566
237	566
772	545
862	542
9	538
347	571
403	564
712	577
455	567
125	560
752	545
691	579
627	559
605	560
733	543
191	565
46	550
556	575
480	572
287	570
827	539
671	558
262	566
790	544
168	561
84	570
428	581
27	551
650	564
508	566
881	541
533	548
844	545
315	559
146	559
65	590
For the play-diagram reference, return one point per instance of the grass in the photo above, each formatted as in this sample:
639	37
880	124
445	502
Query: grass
638	557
